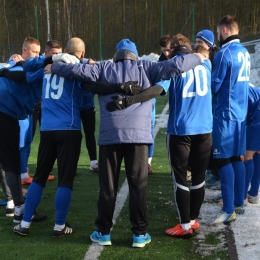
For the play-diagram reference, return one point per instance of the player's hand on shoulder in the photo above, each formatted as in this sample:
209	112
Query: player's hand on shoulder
202	56
65	57
47	69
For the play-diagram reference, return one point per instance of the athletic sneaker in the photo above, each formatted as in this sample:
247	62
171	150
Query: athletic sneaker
51	177
21	231
27	181
3	203
103	240
150	170
67	230
178	231
245	202
141	240
195	226
222	218
94	167
9	212
253	199
239	210
35	218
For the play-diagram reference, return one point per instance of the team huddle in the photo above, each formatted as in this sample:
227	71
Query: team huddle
213	116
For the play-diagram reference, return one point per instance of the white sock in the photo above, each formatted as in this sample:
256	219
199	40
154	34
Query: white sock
18	210
10	204
59	227
25	175
25	224
94	162
186	226
192	222
150	160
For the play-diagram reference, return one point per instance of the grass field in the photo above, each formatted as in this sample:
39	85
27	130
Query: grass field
40	244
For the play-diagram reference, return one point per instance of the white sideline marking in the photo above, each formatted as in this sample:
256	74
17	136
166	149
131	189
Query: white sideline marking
95	249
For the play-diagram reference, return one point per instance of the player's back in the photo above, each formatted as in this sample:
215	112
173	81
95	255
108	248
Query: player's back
190	102
61	99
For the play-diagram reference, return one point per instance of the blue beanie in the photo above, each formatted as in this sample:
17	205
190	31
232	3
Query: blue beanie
126	44
207	36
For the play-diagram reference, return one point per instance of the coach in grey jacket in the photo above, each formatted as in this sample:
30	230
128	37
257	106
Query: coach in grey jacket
124	134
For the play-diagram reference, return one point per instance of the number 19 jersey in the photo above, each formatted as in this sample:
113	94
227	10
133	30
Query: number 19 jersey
61	100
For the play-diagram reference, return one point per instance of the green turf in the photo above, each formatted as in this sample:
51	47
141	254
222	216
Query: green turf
40	244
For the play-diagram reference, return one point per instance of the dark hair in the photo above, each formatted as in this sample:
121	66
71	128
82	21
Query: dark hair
53	44
229	21
180	39
165	40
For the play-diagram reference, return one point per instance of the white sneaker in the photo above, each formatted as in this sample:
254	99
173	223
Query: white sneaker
252	199
94	167
222	218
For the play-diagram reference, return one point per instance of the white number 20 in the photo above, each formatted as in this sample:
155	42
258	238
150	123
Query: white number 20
198	73
54	86
245	67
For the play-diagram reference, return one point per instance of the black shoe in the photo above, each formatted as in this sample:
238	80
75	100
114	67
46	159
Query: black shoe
67	230
21	231
9	212
35	218
38	217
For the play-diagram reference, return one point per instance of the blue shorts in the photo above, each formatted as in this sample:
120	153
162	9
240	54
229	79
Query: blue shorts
229	138
253	138
24	127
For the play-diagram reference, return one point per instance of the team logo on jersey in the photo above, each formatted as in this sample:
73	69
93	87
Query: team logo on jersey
215	151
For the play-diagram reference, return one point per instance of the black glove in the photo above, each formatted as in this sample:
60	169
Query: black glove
130	88
118	103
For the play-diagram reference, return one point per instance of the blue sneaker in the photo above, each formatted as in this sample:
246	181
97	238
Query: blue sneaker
103	240
222	218
141	240
3	203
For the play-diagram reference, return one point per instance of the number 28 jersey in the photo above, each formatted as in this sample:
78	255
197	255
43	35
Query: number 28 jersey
190	101
61	100
230	81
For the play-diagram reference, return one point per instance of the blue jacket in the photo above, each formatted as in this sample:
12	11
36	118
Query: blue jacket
133	124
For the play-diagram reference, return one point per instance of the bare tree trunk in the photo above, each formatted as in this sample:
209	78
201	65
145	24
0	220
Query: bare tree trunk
48	20
68	14
8	38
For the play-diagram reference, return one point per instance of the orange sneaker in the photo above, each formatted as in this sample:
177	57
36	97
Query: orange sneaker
27	181
195	226
177	231
51	177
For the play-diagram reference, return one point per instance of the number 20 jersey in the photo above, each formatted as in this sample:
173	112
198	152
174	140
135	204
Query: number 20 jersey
230	80
61	100
190	101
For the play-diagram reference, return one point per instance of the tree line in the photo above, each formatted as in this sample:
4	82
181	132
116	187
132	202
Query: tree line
101	24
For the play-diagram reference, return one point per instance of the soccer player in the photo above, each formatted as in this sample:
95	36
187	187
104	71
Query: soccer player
189	103
17	101
230	79
251	158
124	134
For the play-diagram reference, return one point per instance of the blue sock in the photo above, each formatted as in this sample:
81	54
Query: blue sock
255	182
32	201
249	166
239	191
62	204
226	174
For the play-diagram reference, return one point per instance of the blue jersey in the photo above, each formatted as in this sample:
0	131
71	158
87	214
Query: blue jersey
61	100
87	100
190	101
18	98
230	79
253	115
